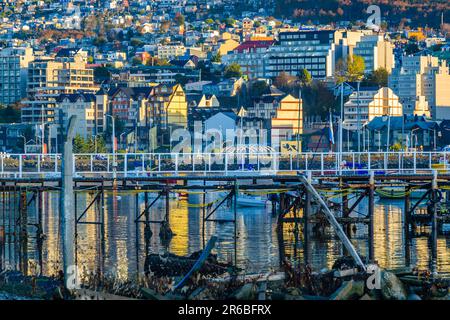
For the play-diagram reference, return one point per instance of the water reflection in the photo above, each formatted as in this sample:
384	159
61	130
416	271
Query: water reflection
257	246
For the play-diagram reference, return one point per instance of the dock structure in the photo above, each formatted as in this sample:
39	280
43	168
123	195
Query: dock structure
302	198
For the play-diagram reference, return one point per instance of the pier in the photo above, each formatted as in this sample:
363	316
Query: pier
295	203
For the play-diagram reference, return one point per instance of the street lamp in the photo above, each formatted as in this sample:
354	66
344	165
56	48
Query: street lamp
412	136
24	143
120	138
113	140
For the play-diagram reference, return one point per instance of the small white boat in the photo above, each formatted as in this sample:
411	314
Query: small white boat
245	200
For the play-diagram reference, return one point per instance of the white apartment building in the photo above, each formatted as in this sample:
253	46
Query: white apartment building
372	102
297	50
89	108
170	52
14	63
423	81
48	77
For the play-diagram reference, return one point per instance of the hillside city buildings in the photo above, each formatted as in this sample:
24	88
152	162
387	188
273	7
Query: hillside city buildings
156	67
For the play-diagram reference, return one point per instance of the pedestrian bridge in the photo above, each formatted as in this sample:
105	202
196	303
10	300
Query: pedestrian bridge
146	164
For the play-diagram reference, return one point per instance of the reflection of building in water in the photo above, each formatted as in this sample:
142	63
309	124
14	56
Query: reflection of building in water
52	253
422	256
388	235
179	224
88	252
443	256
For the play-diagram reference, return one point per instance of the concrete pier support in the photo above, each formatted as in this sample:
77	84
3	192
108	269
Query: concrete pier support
67	209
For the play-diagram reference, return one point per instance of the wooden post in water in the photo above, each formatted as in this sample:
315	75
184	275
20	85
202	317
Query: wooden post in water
406	224
236	192
306	216
136	217
371	215
23	235
434	229
67	212
102	226
203	215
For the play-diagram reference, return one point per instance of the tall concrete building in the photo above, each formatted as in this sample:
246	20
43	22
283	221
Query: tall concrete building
48	77
376	51
423	81
373	102
14	63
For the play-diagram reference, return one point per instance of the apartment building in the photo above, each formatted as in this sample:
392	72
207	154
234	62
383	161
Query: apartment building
14	63
251	56
422	81
49	77
313	50
168	107
129	104
170	52
90	110
372	102
376	52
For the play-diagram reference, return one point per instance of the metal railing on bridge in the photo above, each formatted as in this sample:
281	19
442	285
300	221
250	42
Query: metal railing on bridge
141	164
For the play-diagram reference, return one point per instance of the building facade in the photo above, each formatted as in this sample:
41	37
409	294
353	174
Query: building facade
49	77
372	103
422	80
14	63
297	50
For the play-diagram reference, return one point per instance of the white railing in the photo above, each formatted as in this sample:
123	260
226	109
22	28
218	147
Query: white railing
141	164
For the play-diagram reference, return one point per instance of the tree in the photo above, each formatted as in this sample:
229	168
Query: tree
179	19
136	61
379	77
411	48
233	71
101	74
305	77
350	69
216	58
258	88
9	114
89	145
355	68
284	81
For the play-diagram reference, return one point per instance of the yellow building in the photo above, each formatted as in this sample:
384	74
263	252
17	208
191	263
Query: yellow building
168	107
227	45
287	123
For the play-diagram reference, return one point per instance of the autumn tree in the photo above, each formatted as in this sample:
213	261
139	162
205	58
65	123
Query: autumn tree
284	81
351	69
179	19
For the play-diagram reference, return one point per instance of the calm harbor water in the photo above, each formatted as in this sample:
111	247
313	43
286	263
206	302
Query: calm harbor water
257	245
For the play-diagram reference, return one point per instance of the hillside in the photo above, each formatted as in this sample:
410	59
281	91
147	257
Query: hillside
420	12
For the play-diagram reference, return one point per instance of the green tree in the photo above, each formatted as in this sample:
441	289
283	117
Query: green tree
233	71
9	114
379	77
305	77
216	58
136	61
258	88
